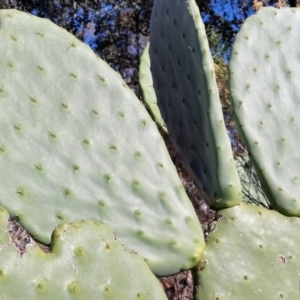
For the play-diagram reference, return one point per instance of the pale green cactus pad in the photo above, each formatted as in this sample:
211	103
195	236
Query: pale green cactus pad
146	84
253	254
76	143
85	262
187	94
265	89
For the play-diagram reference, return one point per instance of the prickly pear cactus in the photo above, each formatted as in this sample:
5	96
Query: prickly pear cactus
253	254
146	84
85	262
253	251
264	84
187	95
76	143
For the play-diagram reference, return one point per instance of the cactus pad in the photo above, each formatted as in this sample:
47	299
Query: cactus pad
146	84
253	254
187	94
264	84
76	143
85	262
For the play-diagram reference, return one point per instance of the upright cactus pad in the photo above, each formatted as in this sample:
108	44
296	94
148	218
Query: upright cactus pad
264	83
146	84
187	95
85	262
76	143
253	254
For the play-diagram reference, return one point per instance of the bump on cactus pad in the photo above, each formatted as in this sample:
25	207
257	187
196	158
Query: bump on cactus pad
187	94
253	254
76	143
264	84
85	262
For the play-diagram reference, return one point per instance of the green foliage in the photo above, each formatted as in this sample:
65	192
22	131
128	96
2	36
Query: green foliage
218	47
185	86
251	187
76	143
85	262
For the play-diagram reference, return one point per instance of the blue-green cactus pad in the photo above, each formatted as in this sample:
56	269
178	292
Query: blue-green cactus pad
253	254
187	94
76	143
265	89
85	262
146	84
